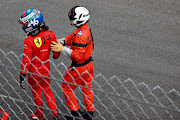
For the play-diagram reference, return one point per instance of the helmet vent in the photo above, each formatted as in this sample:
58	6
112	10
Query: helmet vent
78	22
80	16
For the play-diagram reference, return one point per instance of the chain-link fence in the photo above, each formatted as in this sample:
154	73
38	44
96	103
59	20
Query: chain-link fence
114	99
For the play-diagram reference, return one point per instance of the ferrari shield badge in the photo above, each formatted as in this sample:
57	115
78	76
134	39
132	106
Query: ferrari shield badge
38	42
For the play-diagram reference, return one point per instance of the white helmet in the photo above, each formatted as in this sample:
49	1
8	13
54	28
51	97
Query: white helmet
78	16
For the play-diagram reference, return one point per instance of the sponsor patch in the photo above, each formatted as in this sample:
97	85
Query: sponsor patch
43	50
38	42
79	33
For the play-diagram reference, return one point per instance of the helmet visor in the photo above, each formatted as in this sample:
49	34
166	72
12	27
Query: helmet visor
23	23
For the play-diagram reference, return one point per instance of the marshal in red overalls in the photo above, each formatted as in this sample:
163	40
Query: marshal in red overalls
82	45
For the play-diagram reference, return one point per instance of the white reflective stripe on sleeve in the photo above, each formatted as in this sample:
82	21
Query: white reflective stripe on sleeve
67	52
62	40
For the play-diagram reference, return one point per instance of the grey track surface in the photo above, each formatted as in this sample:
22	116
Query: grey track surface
137	39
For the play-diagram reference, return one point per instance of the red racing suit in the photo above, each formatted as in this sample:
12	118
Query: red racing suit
36	54
81	43
3	115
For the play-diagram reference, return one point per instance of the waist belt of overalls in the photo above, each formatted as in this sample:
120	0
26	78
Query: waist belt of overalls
74	64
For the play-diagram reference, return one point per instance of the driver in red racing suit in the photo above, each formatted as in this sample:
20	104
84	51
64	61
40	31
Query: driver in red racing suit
36	62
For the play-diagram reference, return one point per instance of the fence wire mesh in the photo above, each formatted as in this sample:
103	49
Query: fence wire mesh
114	99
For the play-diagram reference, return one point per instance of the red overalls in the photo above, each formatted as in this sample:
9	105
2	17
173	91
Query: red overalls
82	45
36	54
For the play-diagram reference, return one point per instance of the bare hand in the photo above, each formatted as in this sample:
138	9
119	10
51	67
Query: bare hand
56	47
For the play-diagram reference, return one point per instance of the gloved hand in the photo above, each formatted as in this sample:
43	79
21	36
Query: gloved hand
62	41
56	47
22	76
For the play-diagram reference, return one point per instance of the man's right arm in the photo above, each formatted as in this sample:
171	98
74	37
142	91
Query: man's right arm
27	56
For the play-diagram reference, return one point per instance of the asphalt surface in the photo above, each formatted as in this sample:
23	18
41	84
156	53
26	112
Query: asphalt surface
136	39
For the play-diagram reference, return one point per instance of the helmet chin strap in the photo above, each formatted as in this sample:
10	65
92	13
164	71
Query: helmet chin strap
71	22
82	25
41	27
35	32
75	25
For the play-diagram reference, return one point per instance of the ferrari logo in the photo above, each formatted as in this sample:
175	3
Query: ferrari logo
38	42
